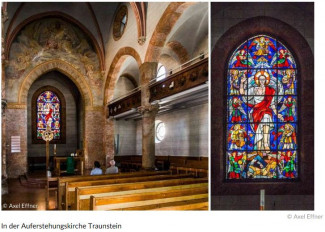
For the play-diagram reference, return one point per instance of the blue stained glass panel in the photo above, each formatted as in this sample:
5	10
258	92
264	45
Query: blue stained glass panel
261	165
288	109
239	58
288	80
288	164
237	137
236	163
285	58
287	136
234	80
237	109
262	51
262	136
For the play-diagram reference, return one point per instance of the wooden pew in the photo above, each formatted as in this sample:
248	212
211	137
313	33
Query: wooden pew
71	186
187	206
149	197
82	194
63	180
198	172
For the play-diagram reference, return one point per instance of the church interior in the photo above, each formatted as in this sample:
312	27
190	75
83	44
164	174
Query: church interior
91	88
262	102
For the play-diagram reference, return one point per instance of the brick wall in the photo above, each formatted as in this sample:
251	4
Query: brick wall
72	135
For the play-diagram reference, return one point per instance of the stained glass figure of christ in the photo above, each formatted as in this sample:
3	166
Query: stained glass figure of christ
48	114
262	111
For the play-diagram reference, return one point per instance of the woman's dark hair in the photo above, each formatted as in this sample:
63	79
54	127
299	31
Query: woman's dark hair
97	164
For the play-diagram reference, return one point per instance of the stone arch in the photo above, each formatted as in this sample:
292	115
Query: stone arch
221	52
57	14
139	10
165	25
61	66
118	60
179	50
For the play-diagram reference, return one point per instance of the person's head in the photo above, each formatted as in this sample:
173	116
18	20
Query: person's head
262	80
282	51
237	127
112	163
96	164
288	72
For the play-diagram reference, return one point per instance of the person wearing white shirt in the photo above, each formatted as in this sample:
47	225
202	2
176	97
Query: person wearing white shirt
112	169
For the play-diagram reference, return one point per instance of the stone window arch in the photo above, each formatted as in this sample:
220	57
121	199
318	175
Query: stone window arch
161	72
120	22
304	59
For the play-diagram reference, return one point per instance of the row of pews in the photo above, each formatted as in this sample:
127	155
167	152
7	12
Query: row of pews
197	166
145	190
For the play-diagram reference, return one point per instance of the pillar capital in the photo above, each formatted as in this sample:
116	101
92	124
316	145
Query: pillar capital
148	110
148	71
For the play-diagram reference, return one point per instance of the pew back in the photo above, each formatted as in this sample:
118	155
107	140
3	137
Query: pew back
63	180
82	194
71	186
148	197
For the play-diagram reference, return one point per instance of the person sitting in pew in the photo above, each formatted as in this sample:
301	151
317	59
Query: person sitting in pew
112	169
96	170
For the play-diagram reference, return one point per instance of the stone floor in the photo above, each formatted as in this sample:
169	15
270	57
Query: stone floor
25	198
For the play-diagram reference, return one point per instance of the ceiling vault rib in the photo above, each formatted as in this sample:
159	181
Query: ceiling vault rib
97	27
13	20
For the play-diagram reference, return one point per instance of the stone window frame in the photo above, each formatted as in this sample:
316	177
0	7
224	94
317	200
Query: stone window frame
221	53
158	123
121	13
58	93
162	76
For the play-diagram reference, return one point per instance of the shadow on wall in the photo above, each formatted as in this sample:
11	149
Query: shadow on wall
194	134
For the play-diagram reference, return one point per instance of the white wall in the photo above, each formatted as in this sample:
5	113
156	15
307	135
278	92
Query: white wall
187	133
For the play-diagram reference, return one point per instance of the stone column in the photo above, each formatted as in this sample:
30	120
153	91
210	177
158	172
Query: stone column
94	136
3	133
4	176
148	71
109	139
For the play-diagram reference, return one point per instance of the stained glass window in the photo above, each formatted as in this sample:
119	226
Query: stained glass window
262	111
48	114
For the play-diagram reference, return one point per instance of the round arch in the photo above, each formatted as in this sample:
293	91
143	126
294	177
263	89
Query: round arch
165	25
61	66
57	14
114	69
305	61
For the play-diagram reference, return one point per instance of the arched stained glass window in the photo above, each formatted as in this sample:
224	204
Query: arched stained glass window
48	109
48	114
262	111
